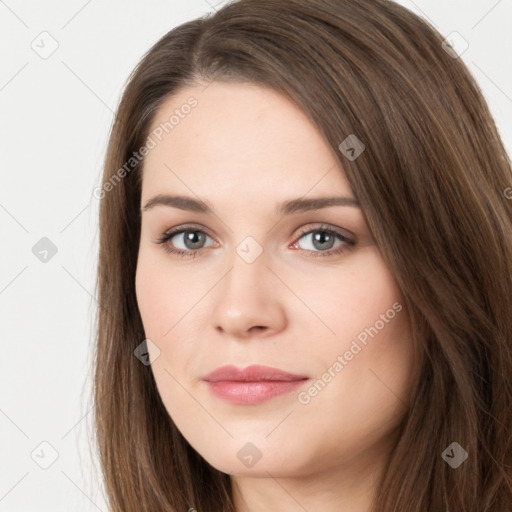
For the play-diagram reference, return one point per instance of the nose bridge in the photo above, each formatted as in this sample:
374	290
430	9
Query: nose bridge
247	298
247	276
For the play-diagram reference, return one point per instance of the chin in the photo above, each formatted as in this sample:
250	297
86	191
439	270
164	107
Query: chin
243	458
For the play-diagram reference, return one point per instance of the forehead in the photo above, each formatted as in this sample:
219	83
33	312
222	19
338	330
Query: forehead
238	138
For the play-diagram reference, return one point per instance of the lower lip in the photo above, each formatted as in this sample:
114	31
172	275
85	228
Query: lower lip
247	393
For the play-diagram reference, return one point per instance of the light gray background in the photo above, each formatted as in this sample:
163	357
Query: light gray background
56	113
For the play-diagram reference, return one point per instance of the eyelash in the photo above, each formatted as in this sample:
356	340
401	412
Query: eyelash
347	243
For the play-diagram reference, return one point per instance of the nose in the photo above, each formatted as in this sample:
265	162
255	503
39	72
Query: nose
249	300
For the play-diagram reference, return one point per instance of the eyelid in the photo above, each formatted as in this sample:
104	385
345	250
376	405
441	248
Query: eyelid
347	235
186	227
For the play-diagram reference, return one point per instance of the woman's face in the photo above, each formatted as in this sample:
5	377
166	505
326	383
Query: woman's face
260	282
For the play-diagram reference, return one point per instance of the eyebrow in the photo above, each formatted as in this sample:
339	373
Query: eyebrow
286	208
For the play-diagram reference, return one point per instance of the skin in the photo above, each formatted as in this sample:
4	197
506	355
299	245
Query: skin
245	149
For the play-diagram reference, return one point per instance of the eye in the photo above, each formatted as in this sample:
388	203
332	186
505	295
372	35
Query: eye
322	240
192	241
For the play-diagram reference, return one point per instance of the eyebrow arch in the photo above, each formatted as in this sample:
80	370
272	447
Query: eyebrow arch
304	205
286	208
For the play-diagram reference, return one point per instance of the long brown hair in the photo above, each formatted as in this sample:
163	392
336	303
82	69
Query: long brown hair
432	182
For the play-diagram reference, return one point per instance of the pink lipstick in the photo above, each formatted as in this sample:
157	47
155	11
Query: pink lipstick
251	385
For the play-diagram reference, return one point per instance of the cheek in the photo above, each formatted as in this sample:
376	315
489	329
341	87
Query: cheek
163	303
159	292
149	297
155	302
368	314
353	298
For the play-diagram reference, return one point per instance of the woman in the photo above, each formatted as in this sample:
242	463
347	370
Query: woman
305	270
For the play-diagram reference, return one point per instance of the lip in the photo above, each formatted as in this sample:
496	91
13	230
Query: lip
253	384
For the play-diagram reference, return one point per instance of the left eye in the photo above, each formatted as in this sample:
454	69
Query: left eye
321	239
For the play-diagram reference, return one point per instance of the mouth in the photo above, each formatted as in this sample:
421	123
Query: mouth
252	385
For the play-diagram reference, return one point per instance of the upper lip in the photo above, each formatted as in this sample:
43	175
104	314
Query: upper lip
251	373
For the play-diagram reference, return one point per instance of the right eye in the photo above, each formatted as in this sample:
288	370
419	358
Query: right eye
192	240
